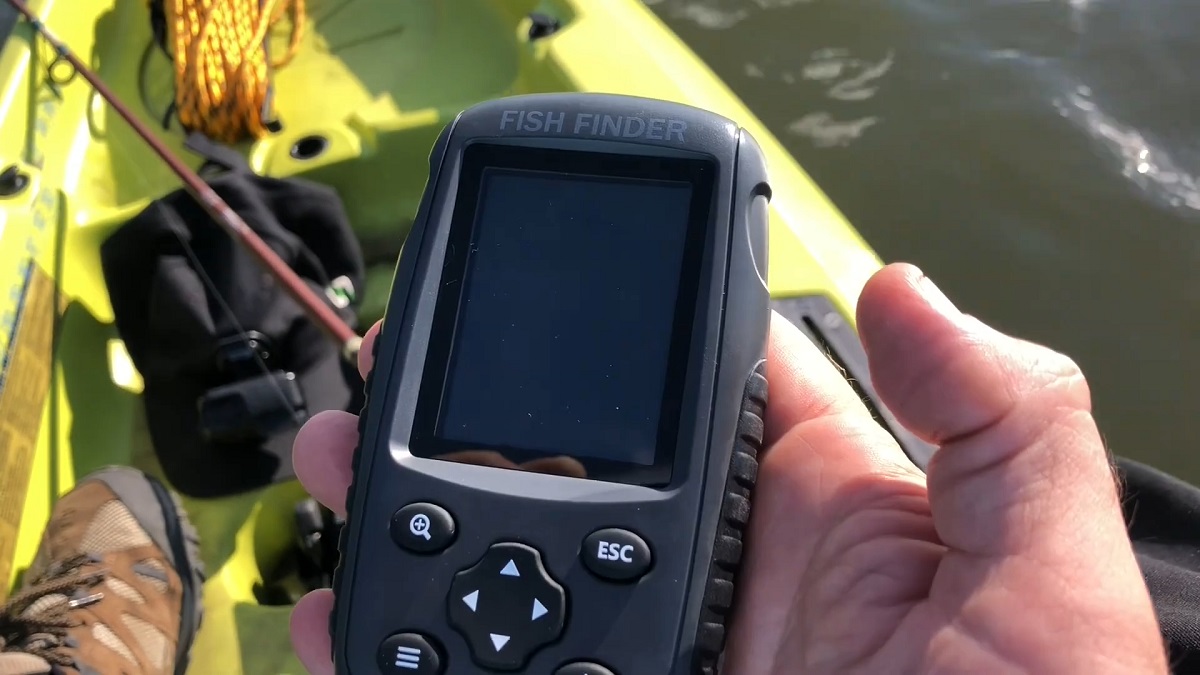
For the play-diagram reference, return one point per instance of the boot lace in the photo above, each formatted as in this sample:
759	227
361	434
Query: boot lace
42	631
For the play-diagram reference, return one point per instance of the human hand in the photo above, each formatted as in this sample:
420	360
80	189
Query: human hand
1011	556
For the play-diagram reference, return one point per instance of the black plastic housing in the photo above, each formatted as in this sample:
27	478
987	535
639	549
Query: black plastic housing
671	621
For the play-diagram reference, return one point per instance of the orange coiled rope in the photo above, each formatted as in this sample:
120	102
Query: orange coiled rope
222	69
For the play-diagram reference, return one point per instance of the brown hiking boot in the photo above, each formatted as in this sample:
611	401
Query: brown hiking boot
115	588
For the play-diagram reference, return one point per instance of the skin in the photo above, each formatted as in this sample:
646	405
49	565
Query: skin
1010	555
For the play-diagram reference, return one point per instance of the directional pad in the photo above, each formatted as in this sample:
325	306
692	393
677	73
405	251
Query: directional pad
507	606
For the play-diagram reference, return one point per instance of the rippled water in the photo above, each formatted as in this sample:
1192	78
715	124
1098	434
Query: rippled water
1040	159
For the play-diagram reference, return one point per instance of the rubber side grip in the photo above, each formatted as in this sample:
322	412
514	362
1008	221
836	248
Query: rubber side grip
735	514
344	536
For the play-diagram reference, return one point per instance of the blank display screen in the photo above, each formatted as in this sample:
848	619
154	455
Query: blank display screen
566	315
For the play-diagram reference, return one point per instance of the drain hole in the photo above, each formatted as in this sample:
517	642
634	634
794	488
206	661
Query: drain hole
541	26
309	147
12	181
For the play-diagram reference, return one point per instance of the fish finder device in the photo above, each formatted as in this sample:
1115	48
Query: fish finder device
562	425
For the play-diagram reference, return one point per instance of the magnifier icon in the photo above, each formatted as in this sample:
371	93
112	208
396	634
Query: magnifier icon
419	525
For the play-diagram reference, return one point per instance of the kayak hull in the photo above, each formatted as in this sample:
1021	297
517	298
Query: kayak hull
370	89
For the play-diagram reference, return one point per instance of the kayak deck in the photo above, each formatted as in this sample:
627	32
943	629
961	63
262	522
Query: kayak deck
361	105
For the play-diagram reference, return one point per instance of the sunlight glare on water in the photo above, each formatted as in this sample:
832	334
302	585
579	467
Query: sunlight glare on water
1039	158
1149	167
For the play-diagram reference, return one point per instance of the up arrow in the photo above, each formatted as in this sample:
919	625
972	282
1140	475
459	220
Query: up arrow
510	570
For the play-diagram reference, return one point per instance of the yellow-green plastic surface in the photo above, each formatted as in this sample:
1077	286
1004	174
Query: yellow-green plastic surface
379	79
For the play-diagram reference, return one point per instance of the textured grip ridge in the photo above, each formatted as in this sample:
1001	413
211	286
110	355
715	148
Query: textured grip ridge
344	535
735	514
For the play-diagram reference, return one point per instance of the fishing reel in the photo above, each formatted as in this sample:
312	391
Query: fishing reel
257	401
310	562
317	530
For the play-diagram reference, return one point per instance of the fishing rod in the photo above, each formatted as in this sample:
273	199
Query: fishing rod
310	302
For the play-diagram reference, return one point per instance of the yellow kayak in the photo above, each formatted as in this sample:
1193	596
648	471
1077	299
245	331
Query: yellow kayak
362	99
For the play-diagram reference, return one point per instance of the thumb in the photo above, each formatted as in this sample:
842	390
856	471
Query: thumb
1021	466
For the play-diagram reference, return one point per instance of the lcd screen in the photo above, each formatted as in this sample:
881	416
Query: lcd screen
565	320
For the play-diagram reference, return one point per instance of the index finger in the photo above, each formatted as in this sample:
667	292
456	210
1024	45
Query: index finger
804	386
824	457
366	350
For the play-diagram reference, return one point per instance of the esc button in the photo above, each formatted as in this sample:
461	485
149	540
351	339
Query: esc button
616	555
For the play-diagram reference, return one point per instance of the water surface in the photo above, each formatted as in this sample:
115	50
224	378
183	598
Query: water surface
1039	159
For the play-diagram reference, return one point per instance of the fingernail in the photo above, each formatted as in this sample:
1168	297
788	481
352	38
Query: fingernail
936	298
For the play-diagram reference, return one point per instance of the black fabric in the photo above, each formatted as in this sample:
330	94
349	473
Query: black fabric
1163	517
171	322
158	24
218	157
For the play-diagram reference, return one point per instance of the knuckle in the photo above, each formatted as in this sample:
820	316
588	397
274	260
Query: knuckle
1058	378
